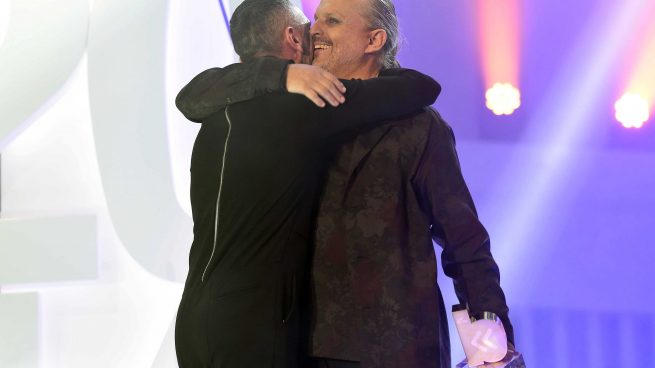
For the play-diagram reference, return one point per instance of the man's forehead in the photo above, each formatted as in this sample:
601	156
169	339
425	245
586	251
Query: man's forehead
339	8
327	14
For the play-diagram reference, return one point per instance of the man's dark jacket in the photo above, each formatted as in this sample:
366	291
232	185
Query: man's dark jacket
390	192
256	173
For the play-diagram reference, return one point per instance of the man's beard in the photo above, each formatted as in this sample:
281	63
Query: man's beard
341	66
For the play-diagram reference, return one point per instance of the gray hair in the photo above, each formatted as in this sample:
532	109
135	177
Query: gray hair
256	26
381	14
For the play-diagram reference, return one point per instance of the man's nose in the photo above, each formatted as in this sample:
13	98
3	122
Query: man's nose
315	29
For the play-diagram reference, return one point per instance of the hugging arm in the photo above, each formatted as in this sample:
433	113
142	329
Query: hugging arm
216	88
395	93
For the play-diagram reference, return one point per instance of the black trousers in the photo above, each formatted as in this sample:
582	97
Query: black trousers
330	363
239	326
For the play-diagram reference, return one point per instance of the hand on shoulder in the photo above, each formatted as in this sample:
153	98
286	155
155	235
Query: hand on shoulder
316	84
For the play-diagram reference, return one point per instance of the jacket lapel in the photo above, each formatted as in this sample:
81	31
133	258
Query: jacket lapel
363	145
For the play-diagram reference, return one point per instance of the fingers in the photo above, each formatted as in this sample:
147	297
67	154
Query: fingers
316	84
334	85
315	98
330	88
329	93
335	81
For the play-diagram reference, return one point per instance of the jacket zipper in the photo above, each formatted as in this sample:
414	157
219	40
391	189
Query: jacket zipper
220	191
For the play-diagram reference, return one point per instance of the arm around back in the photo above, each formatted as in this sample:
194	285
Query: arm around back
373	101
215	88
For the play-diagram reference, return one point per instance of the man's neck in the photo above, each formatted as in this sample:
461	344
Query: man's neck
369	69
284	54
365	74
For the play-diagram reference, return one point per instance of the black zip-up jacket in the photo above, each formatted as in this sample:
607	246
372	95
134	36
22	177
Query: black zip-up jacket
256	172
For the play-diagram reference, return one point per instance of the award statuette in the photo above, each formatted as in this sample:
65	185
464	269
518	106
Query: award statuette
484	341
514	360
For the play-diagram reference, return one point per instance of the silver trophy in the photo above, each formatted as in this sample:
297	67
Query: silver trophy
484	341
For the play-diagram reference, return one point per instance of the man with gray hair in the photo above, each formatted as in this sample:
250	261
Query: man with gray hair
253	37
390	193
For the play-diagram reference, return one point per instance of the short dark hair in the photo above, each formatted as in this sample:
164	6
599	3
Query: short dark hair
256	26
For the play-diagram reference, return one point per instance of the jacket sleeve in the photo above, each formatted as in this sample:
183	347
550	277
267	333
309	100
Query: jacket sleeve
215	88
394	93
466	255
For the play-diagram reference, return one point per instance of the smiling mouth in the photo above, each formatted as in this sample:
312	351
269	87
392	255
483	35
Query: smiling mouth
319	47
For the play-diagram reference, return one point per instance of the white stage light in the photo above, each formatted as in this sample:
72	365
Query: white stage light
503	99
632	110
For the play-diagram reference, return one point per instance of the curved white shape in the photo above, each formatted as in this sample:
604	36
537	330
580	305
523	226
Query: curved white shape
127	51
43	43
5	10
197	40
231	5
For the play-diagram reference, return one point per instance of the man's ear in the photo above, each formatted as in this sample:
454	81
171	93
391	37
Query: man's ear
292	40
377	38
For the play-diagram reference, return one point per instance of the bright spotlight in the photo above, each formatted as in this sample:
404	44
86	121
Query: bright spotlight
503	98
632	110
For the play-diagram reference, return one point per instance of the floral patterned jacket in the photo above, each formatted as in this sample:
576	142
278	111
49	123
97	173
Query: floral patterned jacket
391	192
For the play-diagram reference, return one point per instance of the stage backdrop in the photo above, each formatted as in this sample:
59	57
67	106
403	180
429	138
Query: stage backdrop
94	206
